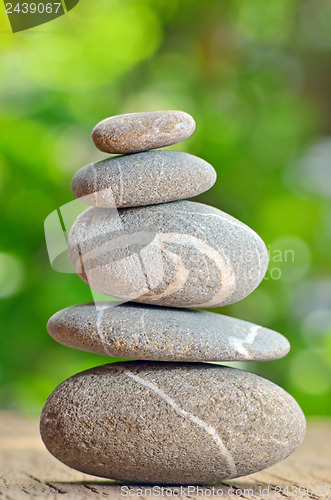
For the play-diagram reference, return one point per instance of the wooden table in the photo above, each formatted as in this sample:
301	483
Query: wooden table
27	471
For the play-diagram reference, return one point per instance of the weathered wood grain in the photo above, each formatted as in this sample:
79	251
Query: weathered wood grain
27	471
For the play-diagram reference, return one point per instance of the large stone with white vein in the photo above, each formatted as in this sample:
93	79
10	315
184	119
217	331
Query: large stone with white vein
170	423
175	254
163	334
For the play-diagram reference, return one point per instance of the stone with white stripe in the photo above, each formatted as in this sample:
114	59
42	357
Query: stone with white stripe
143	179
170	423
164	334
181	254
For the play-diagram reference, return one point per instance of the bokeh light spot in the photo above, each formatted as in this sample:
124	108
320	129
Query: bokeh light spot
290	256
310	373
315	25
312	171
316	326
312	296
11	275
266	21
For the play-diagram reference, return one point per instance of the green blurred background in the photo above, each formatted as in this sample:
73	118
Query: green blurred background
256	77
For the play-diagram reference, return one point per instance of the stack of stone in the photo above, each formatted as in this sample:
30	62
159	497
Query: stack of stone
172	416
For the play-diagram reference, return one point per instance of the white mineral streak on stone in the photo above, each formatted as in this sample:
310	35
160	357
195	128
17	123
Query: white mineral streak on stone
152	262
203	425
97	195
249	339
227	275
239	347
100	331
180	279
94	274
260	268
270	439
253	331
142	320
237	224
152	259
241	225
121	181
160	179
179	126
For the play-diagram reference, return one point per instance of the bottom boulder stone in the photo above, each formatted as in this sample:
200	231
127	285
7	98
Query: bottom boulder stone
170	423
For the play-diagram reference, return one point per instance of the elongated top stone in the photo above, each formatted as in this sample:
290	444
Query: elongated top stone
143	179
175	254
164	334
170	423
134	132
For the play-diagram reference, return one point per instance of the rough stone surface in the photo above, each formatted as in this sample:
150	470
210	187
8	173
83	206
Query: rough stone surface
134	132
170	423
30	472
174	254
143	179
164	334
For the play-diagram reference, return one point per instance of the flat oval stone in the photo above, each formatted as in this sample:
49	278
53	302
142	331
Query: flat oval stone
143	179
170	423
134	132
174	254
164	334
